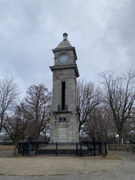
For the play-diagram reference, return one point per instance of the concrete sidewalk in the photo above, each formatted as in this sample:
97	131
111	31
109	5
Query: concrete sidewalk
125	155
44	165
5	152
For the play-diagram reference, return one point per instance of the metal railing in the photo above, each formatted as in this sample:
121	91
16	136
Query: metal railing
60	148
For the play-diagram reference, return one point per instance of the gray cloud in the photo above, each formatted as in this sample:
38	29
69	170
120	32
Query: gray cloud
101	30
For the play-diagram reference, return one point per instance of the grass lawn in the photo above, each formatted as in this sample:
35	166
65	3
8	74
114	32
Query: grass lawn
6	147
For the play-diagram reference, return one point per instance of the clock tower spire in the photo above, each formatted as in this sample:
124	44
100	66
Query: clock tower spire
65	35
64	116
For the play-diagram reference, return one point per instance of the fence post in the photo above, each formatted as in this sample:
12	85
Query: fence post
19	148
105	148
81	149
29	150
36	147
94	149
100	148
56	148
76	148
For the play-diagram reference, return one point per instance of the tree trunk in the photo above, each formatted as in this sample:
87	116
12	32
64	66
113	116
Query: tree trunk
94	139
120	137
103	149
15	150
36	136
45	135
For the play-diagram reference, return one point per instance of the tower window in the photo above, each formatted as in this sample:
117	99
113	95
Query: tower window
63	95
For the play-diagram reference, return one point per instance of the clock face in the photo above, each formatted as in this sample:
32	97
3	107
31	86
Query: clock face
63	58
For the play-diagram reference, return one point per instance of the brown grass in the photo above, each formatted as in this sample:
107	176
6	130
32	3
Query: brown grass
18	156
6	147
109	156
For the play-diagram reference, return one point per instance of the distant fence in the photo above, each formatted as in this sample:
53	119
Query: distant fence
10	142
67	149
6	143
120	147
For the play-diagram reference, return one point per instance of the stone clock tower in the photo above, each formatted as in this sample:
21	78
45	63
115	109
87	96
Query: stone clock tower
64	116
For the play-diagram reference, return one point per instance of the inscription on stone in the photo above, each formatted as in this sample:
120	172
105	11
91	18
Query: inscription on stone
62	119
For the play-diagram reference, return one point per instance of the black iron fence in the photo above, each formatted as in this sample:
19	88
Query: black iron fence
6	143
85	148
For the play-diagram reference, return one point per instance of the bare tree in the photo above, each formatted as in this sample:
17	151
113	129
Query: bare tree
15	126
37	110
88	97
119	94
98	124
127	129
90	126
104	126
46	131
9	91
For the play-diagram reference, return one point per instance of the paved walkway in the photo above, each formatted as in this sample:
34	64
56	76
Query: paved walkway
68	168
125	155
44	165
5	152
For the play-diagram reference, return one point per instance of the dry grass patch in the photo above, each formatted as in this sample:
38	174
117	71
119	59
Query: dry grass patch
18	156
6	147
109	156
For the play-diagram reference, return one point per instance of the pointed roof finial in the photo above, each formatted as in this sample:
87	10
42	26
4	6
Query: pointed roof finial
65	37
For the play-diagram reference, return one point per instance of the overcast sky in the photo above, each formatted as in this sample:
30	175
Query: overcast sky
102	31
